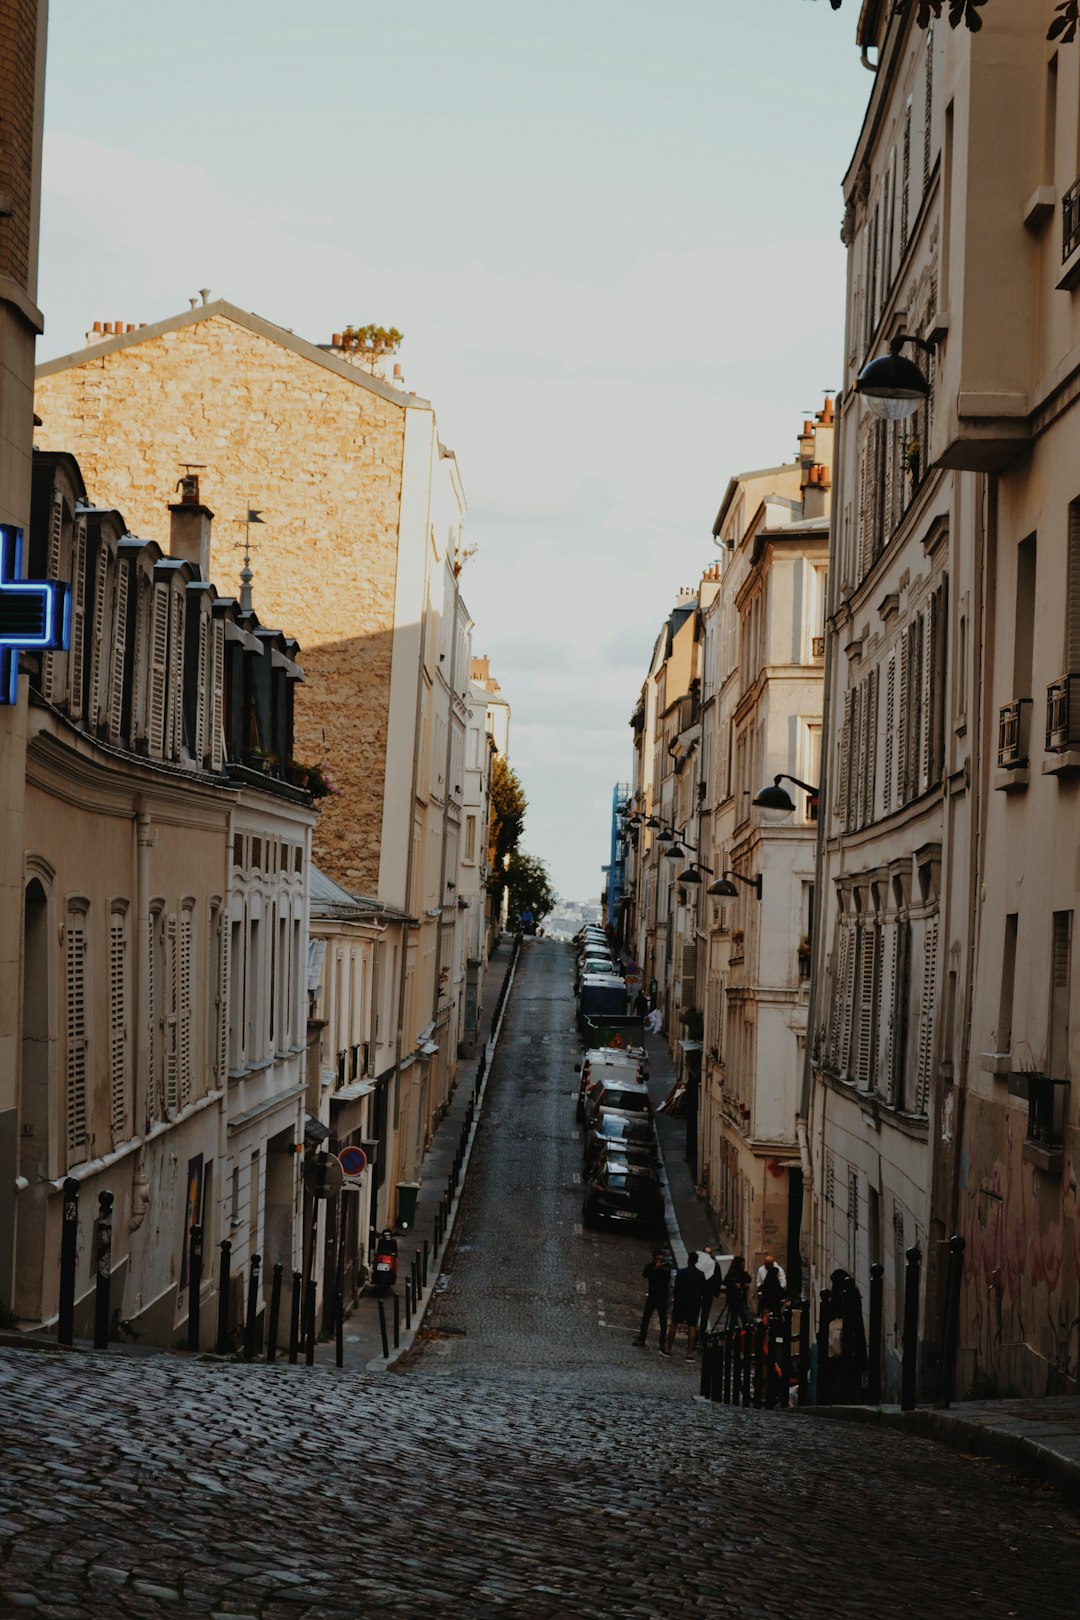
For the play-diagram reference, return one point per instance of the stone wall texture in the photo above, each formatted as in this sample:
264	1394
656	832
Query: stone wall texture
321	456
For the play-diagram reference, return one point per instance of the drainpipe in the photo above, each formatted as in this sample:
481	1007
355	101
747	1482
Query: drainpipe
446	801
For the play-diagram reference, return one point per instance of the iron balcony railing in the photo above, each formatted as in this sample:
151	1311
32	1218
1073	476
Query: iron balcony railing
1070	221
1013	731
1063	714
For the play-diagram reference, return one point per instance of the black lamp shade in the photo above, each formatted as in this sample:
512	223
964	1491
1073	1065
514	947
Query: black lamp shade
774	797
666	836
893	386
689	876
675	853
723	887
653	822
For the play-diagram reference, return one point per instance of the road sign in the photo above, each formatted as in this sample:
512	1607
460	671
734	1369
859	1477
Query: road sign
323	1175
353	1160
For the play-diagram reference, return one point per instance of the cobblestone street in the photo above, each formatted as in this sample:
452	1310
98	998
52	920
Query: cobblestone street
526	1460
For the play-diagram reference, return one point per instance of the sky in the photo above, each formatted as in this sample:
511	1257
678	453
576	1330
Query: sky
609	230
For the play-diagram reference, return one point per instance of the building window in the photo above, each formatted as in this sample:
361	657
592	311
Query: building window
77	1049
185	1002
118	1024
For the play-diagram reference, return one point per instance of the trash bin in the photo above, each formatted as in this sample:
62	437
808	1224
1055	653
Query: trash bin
407	1194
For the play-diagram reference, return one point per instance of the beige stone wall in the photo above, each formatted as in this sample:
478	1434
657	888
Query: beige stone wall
321	455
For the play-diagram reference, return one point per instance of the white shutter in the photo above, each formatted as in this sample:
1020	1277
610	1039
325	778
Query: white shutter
847	1000
217	699
842	808
926	1017
223	1001
889	731
928	109
857	772
886	993
171	983
901	1004
870	749
140	655
77	653
119	652
903	726
153	1037
98	654
174	734
77	1051
50	667
159	649
184	1007
926	695
1072	604
202	695
118	1042
864	1042
905	203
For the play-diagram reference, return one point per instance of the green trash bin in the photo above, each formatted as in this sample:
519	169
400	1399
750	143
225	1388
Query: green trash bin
407	1194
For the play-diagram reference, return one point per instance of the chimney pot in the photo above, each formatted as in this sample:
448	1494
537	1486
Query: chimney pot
97	326
131	326
335	341
108	328
397	368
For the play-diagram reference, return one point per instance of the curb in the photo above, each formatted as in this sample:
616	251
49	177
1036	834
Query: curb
1038	1462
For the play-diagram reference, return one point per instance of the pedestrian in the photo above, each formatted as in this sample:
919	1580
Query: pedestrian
737	1292
654	1023
771	1289
686	1305
710	1271
641	1005
657	1275
767	1261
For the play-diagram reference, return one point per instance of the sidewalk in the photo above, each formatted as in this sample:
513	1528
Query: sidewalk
363	1335
692	1228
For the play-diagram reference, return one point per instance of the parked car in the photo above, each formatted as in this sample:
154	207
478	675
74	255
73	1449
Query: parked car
601	1066
629	1130
600	994
624	1195
617	1093
624	1153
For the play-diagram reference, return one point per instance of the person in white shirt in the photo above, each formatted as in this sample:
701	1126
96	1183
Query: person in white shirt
770	1260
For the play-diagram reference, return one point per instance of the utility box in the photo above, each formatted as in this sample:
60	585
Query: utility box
407	1194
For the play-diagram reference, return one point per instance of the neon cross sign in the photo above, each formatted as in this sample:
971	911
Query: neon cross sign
35	614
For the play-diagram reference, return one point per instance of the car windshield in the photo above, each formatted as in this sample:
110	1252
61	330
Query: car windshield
630	1102
627	1129
616	1180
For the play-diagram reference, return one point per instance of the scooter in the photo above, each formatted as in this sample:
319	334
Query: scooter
384	1264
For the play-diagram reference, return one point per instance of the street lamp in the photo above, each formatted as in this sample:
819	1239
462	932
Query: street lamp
693	872
725	888
775	797
892	385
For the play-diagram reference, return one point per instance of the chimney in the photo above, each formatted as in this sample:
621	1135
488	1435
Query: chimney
189	533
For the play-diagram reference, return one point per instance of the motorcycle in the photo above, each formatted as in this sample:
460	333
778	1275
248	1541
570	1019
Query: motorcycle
384	1264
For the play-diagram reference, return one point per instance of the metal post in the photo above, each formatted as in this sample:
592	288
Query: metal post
224	1282
747	1362
194	1287
103	1269
804	1352
946	1379
294	1316
382	1330
69	1243
424	1265
309	1274
761	1350
909	1366
873	1348
783	1359
252	1307
275	1312
408	1304
339	1288
823	1393
397	1323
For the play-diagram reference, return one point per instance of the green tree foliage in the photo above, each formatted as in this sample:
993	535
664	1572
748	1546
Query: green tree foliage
529	883
1063	27
373	342
508	806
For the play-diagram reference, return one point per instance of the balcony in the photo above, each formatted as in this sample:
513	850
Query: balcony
1014	734
1063	725
1070	222
1047	1101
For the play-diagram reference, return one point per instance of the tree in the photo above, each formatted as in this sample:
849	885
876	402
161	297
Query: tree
1063	27
374	343
529	883
508	806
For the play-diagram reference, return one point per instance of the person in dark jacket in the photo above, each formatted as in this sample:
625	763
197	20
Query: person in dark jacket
737	1292
771	1290
686	1305
657	1275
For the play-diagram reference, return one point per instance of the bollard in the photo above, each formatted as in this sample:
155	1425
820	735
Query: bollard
729	1357
415	1270
424	1265
784	1358
873	1348
339	1329
275	1312
910	1342
382	1330
823	1394
946	1379
804	1352
103	1269
408	1305
760	1358
294	1316
397	1322
69	1243
222	1344
194	1287
252	1307
747	1362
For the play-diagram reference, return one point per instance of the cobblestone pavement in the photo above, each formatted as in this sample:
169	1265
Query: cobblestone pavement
528	1462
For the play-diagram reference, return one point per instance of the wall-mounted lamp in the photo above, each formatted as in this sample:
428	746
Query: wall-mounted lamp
727	890
775	797
892	385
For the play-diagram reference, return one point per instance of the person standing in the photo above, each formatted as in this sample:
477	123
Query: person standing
737	1293
710	1271
657	1275
767	1261
686	1305
771	1288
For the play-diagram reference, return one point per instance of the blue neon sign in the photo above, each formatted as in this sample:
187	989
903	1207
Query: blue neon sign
35	615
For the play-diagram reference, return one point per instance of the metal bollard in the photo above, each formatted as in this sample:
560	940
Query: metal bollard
424	1265
823	1394
397	1322
194	1287
69	1244
294	1316
339	1329
747	1363
946	1379
415	1268
873	1348
783	1360
804	1352
910	1340
275	1312
408	1305
222	1343
382	1330
103	1270
252	1307
760	1362
729	1358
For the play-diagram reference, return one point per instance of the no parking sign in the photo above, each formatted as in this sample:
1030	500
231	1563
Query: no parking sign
353	1160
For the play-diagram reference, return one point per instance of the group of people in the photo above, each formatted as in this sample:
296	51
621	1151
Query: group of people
693	1290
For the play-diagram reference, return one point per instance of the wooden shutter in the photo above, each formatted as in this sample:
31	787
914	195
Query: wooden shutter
901	1009
119	651
171	984
77	652
842	809
140	652
118	1041
847	1001
50	673
870	730
97	635
174	732
926	694
928	109
903	725
857	772
905	185
223	1000
184	1008
217	699
926	1017
159	649
864	1035
77	1052
202	694
1072	605
886	992
153	1033
889	736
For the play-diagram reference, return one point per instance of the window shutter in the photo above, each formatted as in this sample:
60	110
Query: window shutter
171	1052
159	646
174	734
98	655
901	1005
903	723
223	1002
847	1001
119	652
926	696
118	1042
202	695
905	203
866	503
842	808
184	1008
77	652
870	747
928	109
857	775
886	996
889	734
153	1039
864	1041
50	670
926	1017
217	700
140	652
1072	606
77	1056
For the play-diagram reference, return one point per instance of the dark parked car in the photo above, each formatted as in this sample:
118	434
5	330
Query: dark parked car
618	1093
628	1130
624	1194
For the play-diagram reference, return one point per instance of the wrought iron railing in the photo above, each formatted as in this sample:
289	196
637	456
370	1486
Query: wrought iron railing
1013	733
1063	714
1070	221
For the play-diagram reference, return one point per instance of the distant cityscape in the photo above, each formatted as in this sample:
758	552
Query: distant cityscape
568	916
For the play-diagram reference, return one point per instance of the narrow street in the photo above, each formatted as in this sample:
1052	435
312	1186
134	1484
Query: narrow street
528	1460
